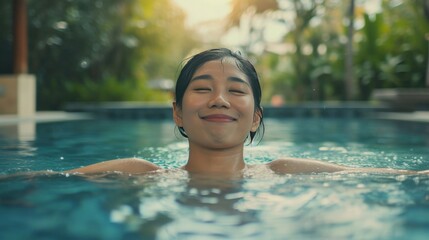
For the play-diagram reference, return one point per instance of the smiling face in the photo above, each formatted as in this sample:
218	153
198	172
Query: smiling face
218	109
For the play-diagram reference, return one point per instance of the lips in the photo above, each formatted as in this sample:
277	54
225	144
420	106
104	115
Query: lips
218	118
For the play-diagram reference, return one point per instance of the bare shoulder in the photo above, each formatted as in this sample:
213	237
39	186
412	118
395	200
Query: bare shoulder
126	165
299	165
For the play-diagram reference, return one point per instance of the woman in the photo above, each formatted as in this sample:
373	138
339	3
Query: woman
217	107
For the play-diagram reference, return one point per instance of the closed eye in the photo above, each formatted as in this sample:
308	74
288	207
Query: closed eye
202	89
237	91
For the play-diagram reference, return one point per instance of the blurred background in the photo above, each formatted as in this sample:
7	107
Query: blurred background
304	50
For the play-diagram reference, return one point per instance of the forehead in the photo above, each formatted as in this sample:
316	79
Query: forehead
227	66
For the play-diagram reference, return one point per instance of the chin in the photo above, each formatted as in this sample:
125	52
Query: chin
225	144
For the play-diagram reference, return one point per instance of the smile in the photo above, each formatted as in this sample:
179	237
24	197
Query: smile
218	118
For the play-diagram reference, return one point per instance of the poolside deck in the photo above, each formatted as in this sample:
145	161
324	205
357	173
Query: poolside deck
44	116
417	116
403	99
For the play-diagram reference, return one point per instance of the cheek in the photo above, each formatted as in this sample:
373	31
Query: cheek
247	105
190	103
190	109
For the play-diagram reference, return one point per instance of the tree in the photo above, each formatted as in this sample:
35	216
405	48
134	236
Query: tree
381	51
252	9
425	7
101	50
349	75
391	54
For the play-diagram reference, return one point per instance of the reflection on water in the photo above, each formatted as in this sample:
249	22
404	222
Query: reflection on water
17	141
181	206
176	205
22	131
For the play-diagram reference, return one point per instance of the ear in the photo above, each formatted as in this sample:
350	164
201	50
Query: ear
177	115
256	120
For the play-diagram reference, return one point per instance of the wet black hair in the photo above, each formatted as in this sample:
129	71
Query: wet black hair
196	61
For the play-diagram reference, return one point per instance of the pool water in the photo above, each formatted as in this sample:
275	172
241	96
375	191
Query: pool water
176	205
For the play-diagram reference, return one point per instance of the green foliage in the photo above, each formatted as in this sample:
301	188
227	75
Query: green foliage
101	50
107	50
370	55
110	89
390	50
393	50
312	71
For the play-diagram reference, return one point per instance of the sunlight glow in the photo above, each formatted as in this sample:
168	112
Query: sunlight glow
199	11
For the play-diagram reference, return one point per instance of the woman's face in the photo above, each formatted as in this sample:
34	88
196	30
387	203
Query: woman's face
218	109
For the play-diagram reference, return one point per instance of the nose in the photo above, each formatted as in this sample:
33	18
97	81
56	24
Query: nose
219	101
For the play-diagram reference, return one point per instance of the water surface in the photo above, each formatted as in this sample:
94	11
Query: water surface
175	205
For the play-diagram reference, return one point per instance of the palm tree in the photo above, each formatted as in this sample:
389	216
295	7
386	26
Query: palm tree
252	8
426	13
350	85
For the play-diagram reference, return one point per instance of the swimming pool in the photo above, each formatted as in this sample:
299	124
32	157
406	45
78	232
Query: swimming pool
174	205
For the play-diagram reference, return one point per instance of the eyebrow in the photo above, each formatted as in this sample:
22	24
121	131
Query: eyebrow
210	77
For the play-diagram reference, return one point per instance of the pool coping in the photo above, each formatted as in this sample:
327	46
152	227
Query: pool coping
44	116
416	116
373	110
136	110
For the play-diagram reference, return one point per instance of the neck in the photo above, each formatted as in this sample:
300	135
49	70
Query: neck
207	161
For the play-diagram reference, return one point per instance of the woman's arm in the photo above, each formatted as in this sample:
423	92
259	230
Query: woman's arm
127	165
297	165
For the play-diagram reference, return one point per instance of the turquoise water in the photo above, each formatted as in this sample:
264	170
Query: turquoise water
175	205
